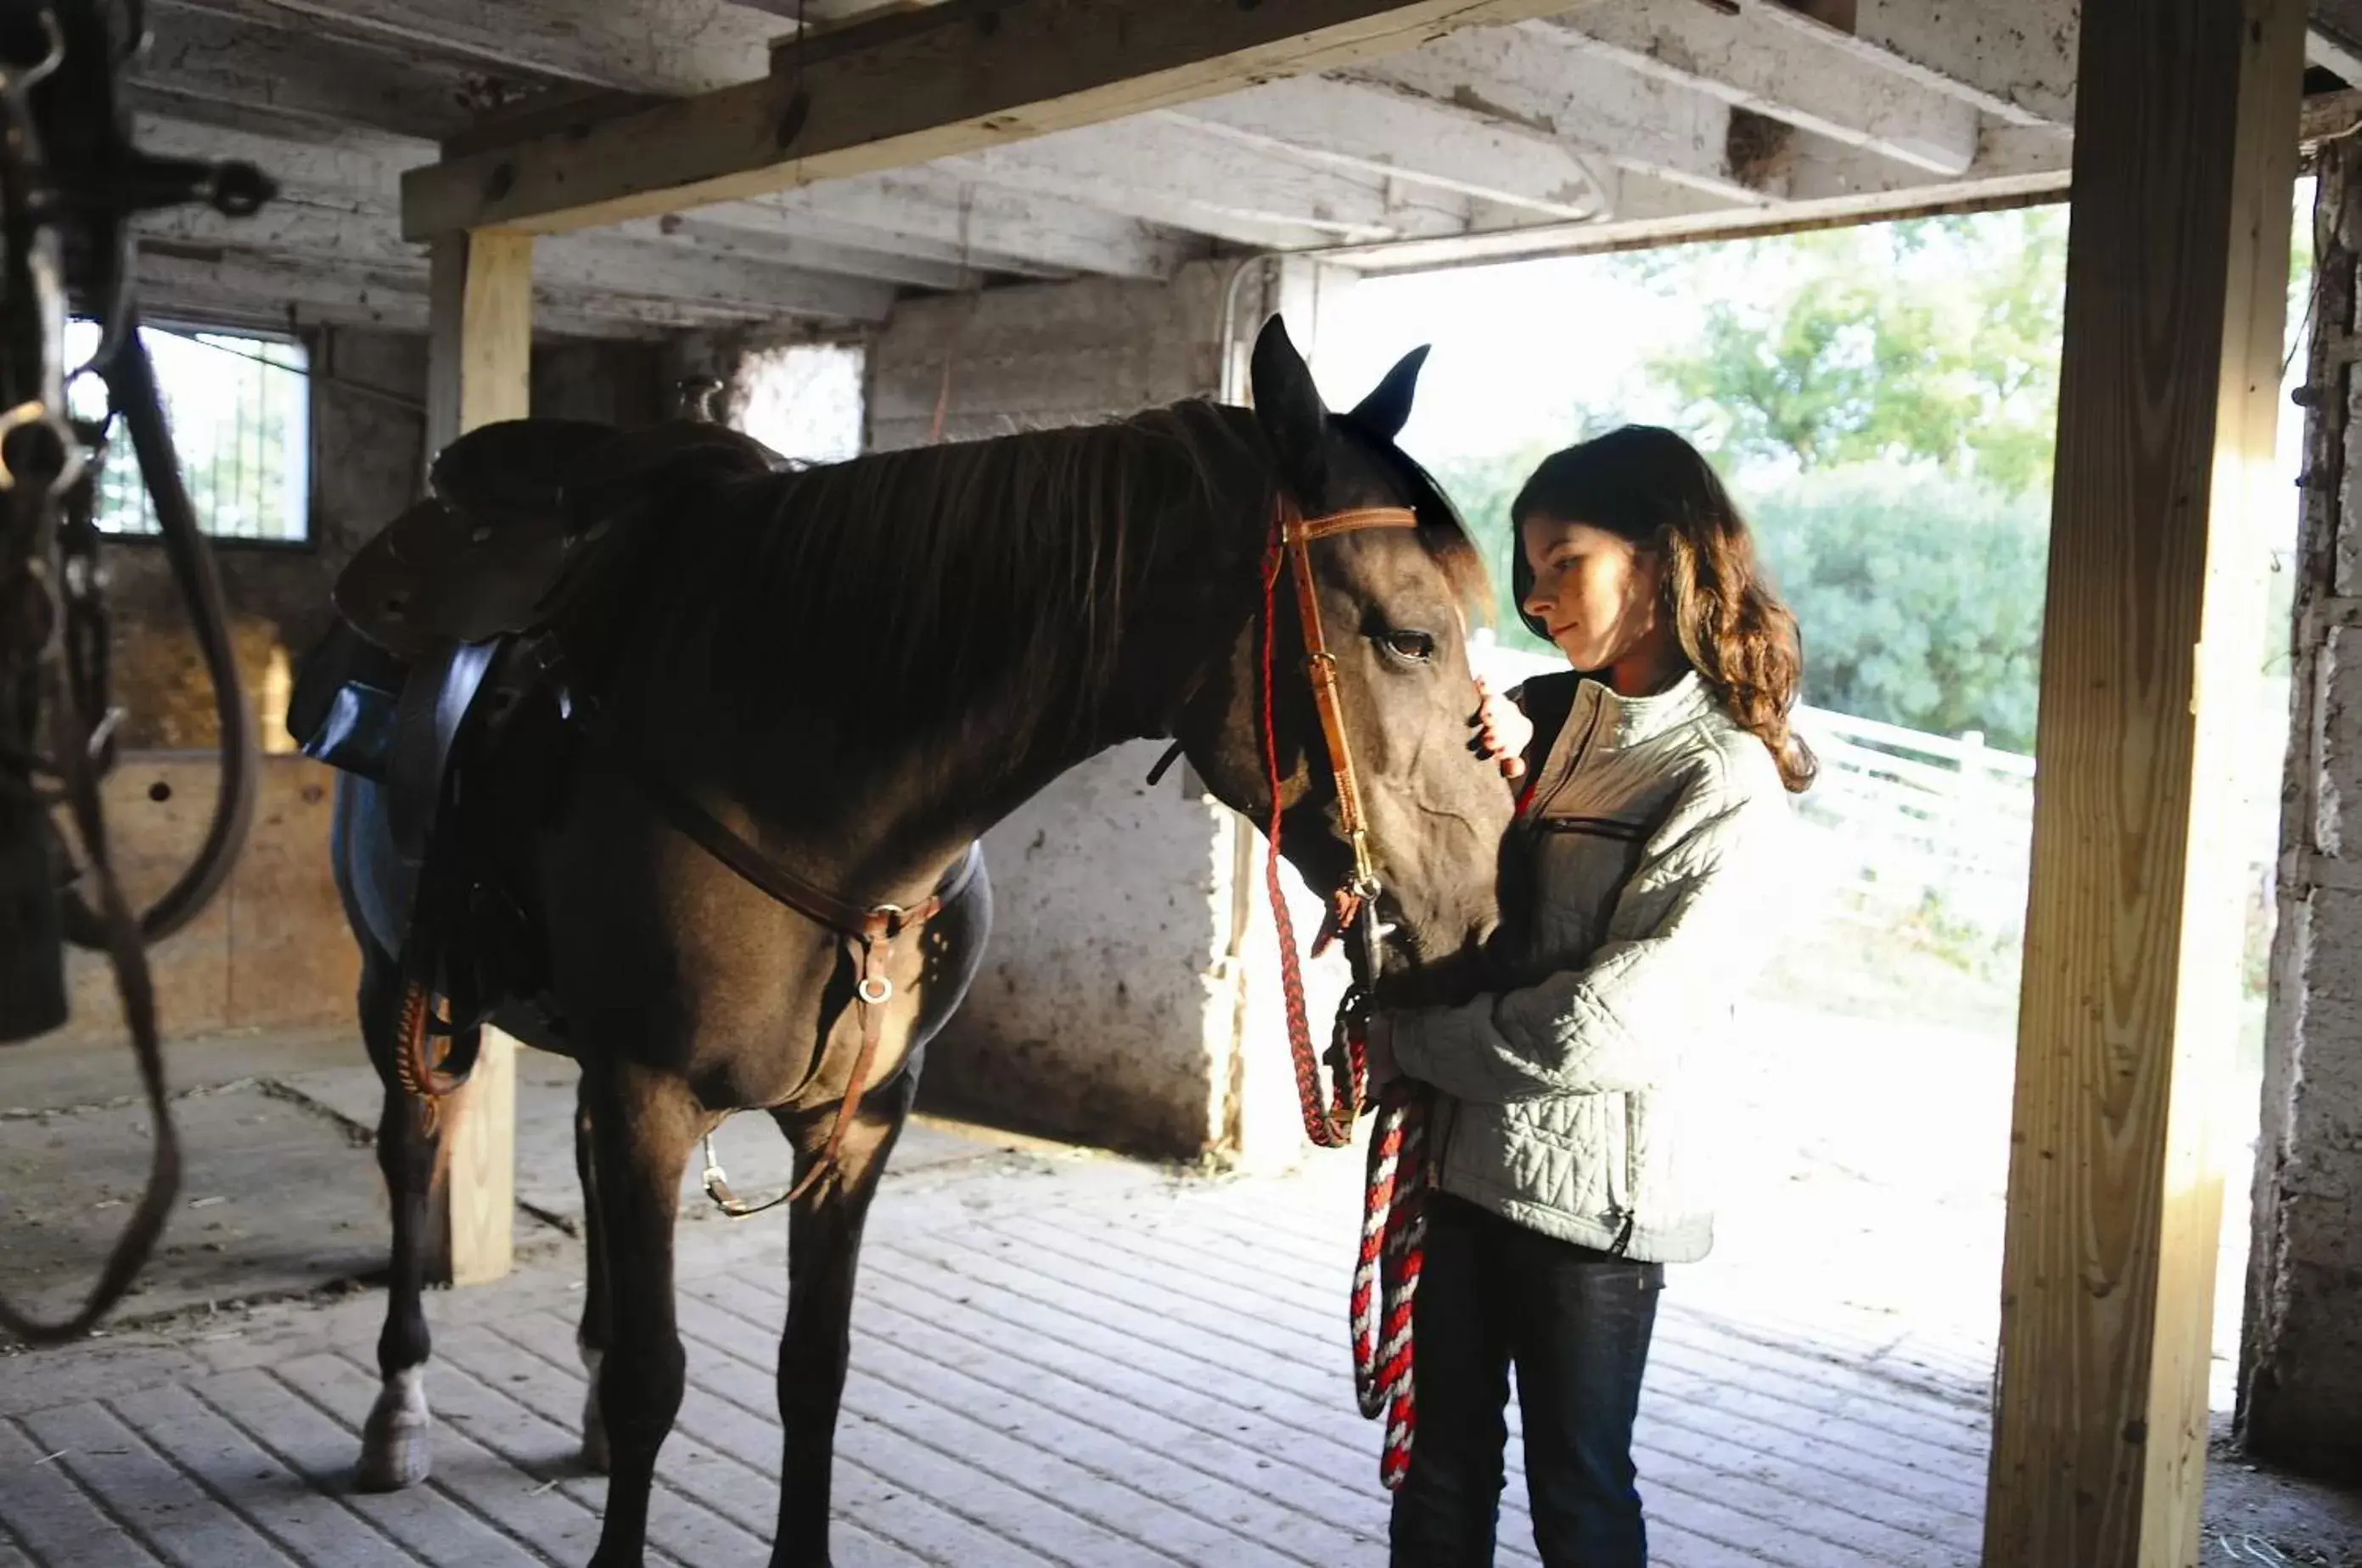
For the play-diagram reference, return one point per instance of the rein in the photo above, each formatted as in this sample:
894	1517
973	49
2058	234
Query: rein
1394	1225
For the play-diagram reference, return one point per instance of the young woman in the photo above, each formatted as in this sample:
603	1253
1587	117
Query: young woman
1639	884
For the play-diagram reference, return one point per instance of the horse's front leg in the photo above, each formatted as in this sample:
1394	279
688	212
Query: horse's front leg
823	1249
643	1125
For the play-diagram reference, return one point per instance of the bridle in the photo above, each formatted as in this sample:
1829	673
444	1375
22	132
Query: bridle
1290	551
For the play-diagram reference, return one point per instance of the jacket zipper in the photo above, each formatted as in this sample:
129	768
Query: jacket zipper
1627	1212
1538	803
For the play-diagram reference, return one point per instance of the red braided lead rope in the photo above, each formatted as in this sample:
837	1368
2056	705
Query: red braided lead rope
1385	1275
1394	1221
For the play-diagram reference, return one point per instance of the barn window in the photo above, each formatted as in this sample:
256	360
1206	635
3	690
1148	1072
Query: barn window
803	401
239	408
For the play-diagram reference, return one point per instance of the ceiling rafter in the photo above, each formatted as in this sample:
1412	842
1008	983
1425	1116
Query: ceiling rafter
1789	74
2013	58
1537	76
1375	130
1174	172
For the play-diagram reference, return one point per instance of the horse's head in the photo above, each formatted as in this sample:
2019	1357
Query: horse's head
1394	605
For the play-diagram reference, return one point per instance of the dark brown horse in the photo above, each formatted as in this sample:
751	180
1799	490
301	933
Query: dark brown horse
855	671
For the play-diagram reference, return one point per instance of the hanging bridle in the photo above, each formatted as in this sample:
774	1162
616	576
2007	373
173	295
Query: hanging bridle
1394	1227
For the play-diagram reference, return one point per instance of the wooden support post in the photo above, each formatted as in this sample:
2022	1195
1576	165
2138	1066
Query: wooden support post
2185	143
479	363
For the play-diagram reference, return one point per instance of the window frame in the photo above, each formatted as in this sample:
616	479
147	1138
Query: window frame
308	342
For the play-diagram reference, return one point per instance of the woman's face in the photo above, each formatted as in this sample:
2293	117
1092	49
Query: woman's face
1598	594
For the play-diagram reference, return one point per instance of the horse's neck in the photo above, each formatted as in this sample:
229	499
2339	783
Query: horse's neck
907	807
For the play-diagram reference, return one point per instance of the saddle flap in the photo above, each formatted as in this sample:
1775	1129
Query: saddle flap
438	575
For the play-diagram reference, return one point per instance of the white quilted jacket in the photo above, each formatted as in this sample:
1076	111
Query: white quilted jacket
1642	882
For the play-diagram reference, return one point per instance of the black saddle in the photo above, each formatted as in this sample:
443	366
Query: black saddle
465	595
515	510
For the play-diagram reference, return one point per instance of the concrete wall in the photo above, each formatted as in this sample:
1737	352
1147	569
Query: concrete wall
1129	998
2300	1373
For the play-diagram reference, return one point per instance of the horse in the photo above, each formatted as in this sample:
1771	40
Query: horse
818	689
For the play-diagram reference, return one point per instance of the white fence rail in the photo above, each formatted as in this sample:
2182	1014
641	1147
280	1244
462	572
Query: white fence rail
1910	824
1914	822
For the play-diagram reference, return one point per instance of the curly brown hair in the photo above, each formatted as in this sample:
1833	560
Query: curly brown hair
1647	485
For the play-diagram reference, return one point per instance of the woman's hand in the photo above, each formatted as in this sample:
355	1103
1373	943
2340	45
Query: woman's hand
1503	731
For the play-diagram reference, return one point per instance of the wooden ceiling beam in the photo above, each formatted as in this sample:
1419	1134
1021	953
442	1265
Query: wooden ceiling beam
971	224
640	263
199	284
2013	58
909	226
668	46
1791	74
1828	185
1376	130
989	74
300	75
1171	171
1540	77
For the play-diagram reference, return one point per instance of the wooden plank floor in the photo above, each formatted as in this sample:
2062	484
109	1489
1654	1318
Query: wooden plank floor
1058	1360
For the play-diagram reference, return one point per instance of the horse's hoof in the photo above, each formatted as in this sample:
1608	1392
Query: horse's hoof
594	1426
397	1442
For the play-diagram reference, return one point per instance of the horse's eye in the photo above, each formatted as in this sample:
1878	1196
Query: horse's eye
1418	647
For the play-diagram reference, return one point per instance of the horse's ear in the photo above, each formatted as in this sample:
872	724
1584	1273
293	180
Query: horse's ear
1288	408
1388	408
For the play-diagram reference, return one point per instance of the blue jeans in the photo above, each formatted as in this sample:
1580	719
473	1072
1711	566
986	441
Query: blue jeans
1575	1323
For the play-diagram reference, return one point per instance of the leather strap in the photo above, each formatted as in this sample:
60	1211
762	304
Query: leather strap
1296	533
854	922
1351	521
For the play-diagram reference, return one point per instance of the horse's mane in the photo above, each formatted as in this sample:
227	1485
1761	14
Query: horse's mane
908	591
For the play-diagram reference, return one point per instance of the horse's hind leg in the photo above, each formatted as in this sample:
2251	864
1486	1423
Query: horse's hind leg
591	1336
397	1439
643	1125
823	1251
